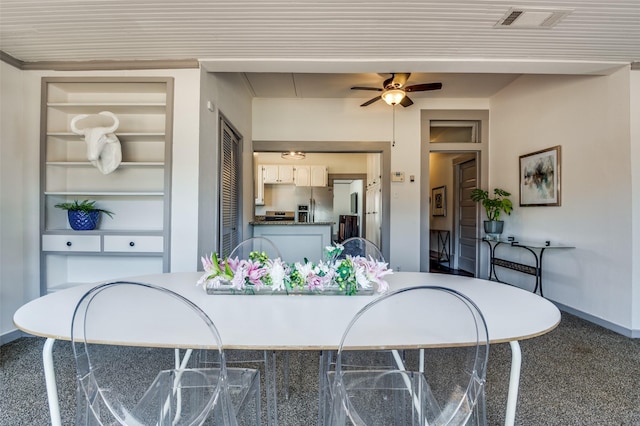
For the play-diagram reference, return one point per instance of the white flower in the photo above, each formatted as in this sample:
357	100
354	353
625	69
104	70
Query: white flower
305	269
277	274
361	276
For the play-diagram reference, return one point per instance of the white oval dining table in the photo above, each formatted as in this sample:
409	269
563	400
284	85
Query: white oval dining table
301	322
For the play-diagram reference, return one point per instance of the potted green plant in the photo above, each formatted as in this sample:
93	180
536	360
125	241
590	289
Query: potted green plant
493	206
83	215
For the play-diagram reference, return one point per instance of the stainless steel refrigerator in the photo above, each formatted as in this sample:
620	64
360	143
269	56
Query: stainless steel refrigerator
319	200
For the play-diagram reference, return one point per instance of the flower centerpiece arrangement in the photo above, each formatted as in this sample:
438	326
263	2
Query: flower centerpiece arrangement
261	275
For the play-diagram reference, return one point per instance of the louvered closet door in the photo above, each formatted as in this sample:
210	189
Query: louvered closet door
230	189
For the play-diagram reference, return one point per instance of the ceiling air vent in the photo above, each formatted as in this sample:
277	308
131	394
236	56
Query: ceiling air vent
531	18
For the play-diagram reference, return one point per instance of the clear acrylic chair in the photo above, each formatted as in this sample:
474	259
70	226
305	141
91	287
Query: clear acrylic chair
354	246
124	337
440	378
267	358
258	244
358	246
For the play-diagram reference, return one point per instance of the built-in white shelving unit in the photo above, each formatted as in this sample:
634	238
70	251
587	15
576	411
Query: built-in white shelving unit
136	240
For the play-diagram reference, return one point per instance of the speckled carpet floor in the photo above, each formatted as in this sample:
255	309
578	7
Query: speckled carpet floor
579	374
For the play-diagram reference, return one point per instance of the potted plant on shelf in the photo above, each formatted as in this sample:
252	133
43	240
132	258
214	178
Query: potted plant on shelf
83	216
493	206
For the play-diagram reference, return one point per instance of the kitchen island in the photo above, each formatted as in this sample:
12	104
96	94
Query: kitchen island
296	240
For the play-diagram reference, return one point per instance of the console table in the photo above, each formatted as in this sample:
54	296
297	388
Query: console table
536	249
443	252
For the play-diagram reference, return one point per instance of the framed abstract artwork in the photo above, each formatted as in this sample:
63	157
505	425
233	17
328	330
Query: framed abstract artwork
439	201
540	178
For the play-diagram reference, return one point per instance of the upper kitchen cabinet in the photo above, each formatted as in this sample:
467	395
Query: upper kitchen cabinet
311	175
136	240
277	173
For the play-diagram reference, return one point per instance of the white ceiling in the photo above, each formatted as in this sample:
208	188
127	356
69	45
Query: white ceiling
314	85
287	47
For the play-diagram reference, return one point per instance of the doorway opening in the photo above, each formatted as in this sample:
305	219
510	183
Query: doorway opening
453	163
349	203
453	227
378	224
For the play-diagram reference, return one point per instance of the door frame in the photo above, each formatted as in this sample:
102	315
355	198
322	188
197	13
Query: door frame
355	176
426	147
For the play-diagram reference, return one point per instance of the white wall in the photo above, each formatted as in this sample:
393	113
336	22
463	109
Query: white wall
223	94
589	117
20	142
340	163
12	200
635	185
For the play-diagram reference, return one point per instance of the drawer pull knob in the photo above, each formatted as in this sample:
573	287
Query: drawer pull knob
131	244
68	243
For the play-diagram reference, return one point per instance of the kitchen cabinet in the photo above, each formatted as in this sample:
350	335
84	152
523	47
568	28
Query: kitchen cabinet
136	240
311	175
277	173
318	175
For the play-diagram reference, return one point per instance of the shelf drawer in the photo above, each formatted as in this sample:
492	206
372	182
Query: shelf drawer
85	243
133	243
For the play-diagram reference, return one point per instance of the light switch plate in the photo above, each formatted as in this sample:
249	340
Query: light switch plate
397	176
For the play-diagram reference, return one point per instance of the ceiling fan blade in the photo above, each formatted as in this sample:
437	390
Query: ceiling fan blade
366	88
370	101
423	87
405	102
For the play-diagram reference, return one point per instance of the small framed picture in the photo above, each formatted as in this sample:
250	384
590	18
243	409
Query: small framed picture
439	201
540	178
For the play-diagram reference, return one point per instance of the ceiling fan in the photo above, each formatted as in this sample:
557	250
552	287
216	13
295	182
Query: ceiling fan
394	92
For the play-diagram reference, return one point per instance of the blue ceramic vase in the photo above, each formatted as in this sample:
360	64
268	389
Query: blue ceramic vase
83	221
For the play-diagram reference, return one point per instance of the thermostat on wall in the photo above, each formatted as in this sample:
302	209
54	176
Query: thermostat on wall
397	176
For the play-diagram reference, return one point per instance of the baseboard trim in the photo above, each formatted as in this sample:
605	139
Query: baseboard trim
627	332
11	336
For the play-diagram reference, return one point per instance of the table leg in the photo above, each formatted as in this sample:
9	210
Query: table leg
270	385
50	381
514	383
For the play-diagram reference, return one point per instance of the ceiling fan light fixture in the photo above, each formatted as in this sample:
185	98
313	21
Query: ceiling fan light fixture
293	155
393	96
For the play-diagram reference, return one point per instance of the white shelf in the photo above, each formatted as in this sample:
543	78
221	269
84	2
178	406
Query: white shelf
92	108
128	135
102	104
106	193
136	240
88	164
